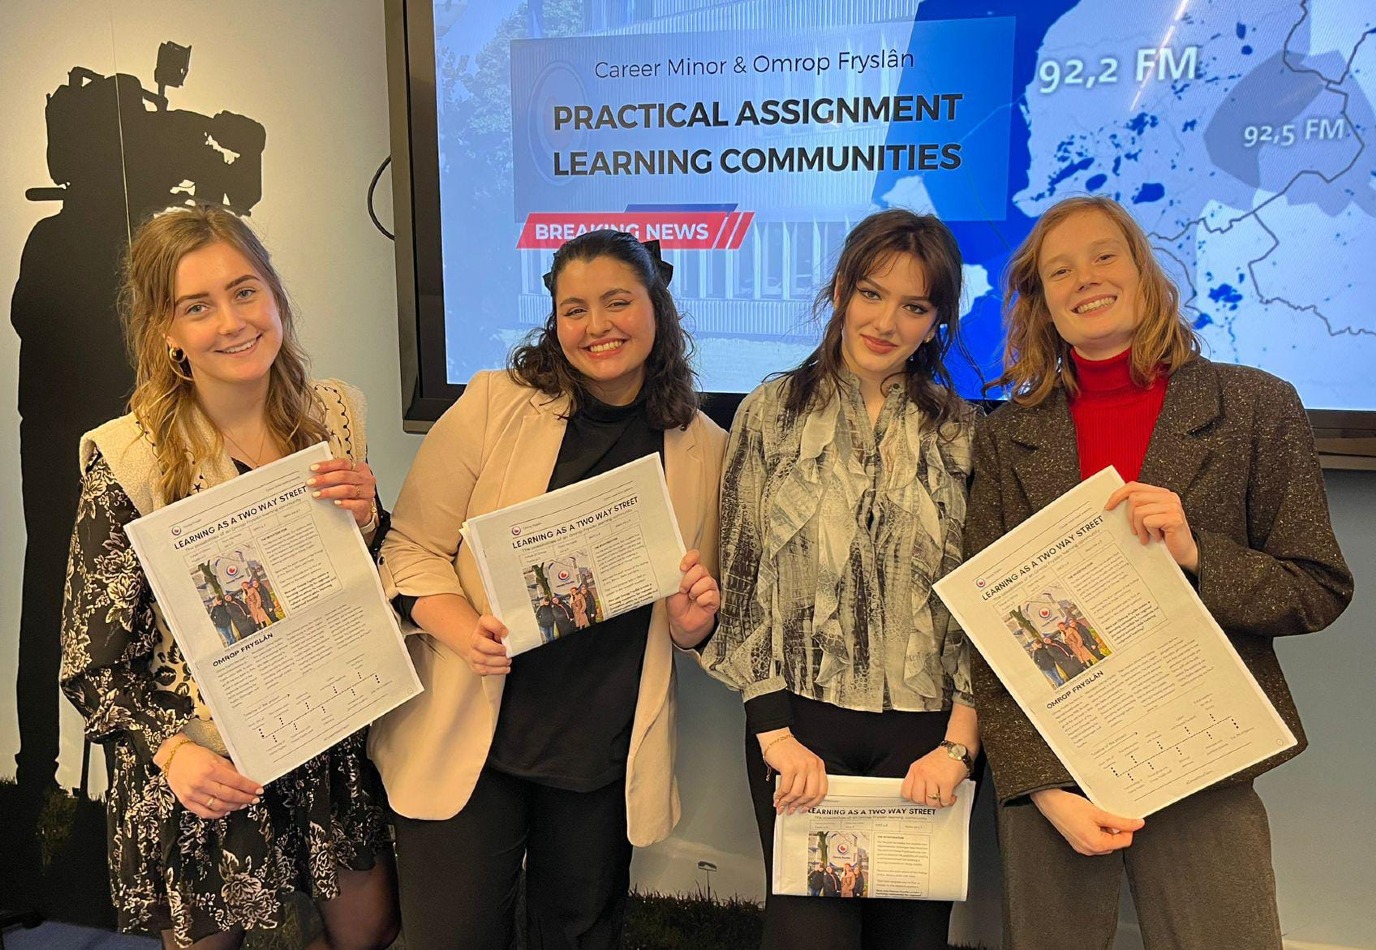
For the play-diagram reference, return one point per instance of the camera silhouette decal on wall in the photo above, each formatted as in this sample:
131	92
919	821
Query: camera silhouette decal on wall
116	153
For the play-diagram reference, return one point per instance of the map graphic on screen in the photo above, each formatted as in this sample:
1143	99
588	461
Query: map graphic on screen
749	136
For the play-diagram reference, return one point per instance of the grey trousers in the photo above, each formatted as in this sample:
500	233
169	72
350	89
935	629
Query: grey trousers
1200	874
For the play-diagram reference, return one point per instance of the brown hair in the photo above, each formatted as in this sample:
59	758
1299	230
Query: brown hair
871	243
164	397
1036	359
671	398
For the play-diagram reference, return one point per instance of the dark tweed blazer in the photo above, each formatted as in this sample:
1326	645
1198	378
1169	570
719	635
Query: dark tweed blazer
1235	445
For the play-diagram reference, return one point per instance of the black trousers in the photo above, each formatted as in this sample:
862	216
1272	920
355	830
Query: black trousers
880	745
459	877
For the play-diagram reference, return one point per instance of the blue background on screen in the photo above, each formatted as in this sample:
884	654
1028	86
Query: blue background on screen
1246	151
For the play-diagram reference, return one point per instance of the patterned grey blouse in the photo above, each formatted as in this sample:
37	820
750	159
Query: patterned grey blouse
832	534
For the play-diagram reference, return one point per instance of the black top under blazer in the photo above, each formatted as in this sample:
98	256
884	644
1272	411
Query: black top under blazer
1235	444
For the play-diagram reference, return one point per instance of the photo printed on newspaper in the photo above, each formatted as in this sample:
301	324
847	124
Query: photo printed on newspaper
578	555
866	840
1110	652
277	606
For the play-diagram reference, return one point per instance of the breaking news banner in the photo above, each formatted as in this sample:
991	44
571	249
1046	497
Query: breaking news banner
748	154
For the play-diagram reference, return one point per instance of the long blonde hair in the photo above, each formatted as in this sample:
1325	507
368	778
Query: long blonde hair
164	398
1036	359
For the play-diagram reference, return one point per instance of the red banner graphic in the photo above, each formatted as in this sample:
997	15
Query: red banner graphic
675	230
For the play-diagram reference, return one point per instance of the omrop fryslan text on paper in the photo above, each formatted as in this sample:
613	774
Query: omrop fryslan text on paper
1111	654
277	607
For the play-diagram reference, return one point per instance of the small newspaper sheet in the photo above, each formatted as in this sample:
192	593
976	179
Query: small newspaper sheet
866	840
277	607
578	555
1112	655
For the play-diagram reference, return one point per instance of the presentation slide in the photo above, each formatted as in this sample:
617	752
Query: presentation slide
748	137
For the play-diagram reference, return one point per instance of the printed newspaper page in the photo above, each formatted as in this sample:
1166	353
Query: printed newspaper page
866	840
1111	654
575	556
277	607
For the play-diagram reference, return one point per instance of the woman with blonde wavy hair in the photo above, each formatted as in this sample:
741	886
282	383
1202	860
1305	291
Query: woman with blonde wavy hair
1219	460
199	852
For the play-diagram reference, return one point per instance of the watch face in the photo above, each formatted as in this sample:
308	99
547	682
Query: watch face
957	750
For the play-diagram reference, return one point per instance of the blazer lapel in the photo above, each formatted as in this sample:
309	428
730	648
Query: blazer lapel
1176	455
683	474
1050	465
536	450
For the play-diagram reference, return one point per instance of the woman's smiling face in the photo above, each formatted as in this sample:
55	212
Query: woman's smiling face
605	323
224	317
1091	284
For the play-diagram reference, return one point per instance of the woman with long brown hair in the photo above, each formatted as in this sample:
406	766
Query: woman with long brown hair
843	500
199	852
560	759
1104	369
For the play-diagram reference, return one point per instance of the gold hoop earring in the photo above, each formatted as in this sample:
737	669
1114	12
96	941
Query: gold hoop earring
177	356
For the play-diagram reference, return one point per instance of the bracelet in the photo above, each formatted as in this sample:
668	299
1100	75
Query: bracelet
773	742
371	523
167	762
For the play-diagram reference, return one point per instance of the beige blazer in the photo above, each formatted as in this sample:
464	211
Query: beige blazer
495	447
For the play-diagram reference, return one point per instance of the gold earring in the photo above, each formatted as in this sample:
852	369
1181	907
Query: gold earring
177	356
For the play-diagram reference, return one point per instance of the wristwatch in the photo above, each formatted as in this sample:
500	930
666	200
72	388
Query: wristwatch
961	754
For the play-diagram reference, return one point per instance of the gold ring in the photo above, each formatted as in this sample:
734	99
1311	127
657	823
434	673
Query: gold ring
211	804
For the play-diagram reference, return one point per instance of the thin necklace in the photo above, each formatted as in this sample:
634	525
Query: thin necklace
252	458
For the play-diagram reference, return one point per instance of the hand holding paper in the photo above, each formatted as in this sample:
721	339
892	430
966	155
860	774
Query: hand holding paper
1156	513
1088	828
207	785
567	559
932	779
484	651
802	780
1111	655
864	840
277	607
350	485
693	610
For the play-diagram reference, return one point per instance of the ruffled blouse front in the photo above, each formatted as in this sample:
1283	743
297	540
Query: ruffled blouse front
833	532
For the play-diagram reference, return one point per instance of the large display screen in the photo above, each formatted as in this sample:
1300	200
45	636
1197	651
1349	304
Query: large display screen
749	136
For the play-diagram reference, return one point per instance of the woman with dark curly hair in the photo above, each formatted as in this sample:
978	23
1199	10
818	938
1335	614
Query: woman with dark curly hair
843	501
561	758
198	851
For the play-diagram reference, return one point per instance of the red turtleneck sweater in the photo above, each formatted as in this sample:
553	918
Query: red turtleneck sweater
1114	417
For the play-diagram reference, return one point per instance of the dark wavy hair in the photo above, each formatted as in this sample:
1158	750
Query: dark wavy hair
670	391
870	245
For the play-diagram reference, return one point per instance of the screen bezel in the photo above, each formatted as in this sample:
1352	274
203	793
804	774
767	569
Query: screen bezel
1345	438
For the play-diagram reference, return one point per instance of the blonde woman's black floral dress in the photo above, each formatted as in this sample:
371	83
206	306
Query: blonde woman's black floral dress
168	868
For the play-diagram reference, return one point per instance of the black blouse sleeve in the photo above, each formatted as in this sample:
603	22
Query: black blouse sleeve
108	628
